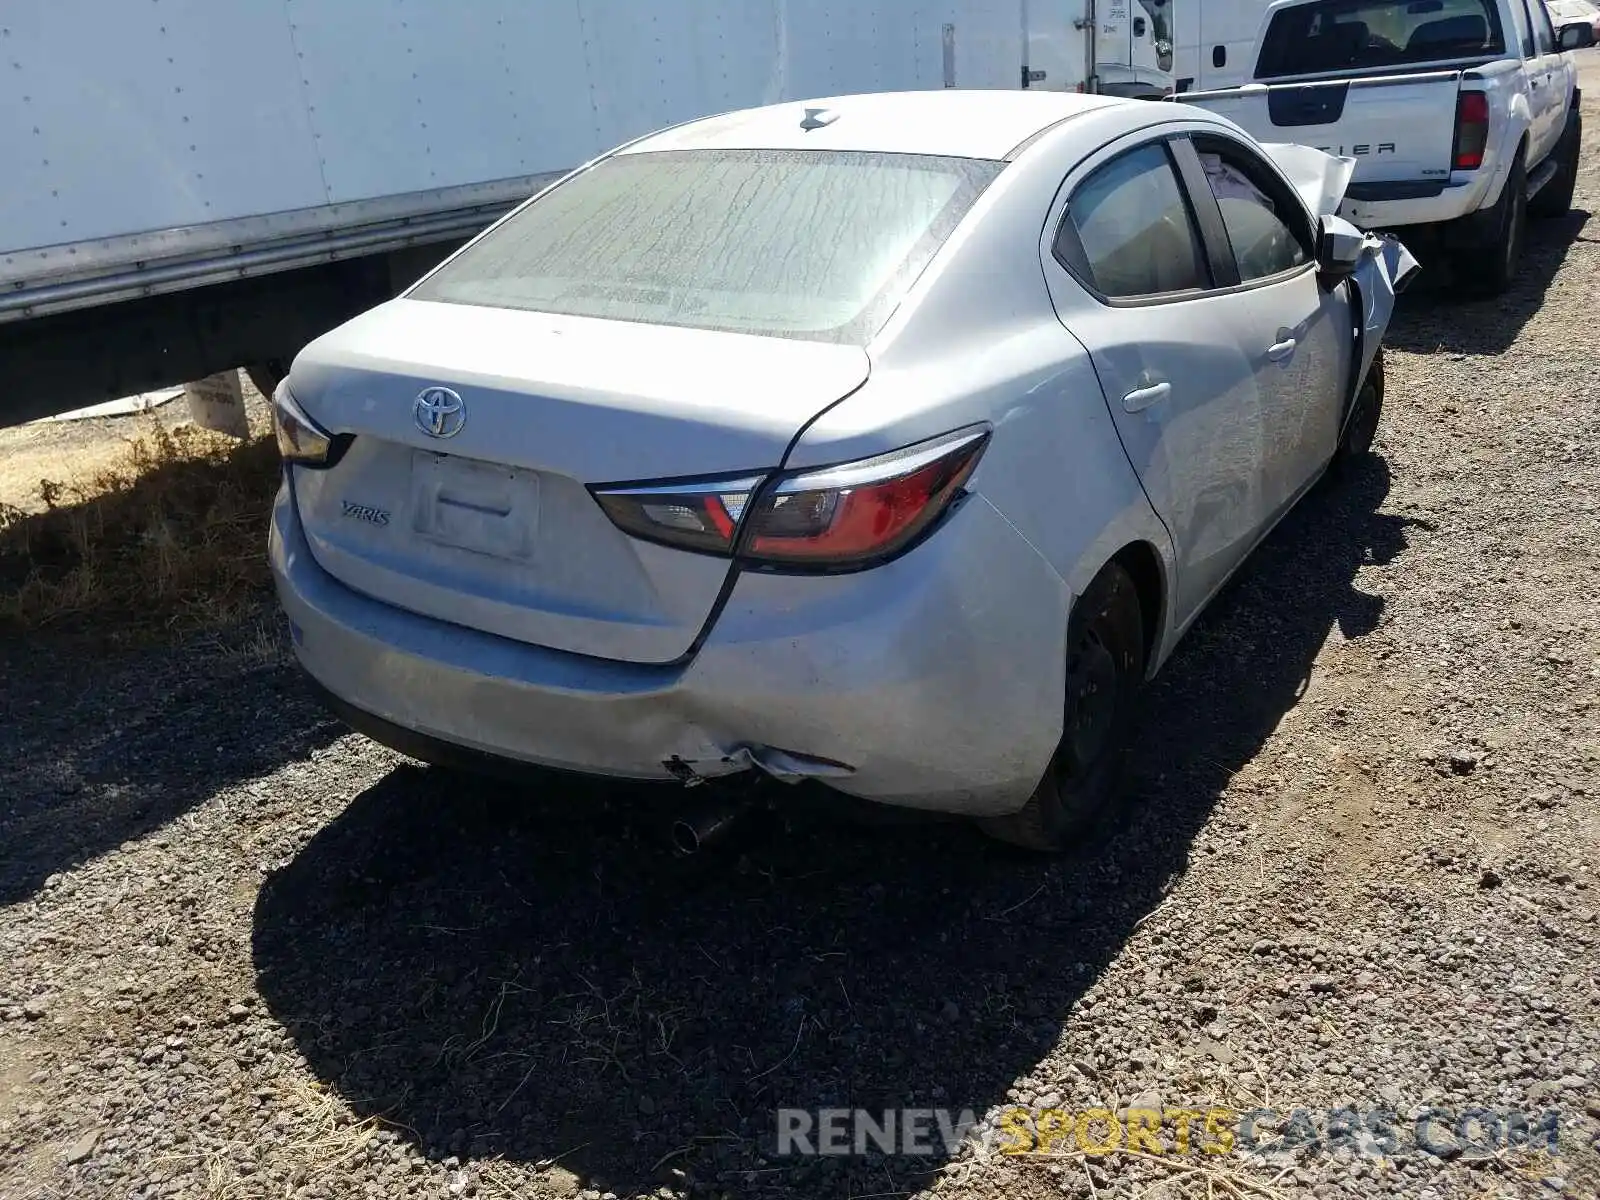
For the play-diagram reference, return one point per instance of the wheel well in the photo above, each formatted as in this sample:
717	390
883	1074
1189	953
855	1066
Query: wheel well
1143	565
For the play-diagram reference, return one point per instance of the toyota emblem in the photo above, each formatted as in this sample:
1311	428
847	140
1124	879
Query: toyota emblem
439	412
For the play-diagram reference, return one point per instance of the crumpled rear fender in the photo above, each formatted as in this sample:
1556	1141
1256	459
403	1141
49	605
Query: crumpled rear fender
1320	178
1385	270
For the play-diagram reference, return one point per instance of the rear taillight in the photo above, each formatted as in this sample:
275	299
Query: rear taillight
702	515
1472	130
300	439
861	512
831	518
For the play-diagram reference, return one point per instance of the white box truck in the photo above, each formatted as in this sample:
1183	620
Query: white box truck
194	186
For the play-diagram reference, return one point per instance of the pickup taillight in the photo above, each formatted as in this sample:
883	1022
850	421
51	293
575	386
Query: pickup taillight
1472	131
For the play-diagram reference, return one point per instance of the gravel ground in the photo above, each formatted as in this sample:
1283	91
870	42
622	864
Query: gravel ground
244	953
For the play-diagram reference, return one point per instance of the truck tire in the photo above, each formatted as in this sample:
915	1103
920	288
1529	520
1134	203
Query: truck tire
1493	264
1555	198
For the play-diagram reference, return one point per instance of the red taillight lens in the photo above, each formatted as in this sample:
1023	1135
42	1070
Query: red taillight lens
692	516
833	518
862	512
1472	130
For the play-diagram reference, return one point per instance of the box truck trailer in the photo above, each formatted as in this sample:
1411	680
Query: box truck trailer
195	186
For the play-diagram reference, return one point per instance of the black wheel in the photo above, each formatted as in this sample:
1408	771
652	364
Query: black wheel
1555	198
1105	670
1362	428
1494	264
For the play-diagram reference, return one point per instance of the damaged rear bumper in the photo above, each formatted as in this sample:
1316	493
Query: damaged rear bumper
932	682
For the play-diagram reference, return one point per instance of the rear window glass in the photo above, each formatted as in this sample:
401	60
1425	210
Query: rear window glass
1354	35
804	244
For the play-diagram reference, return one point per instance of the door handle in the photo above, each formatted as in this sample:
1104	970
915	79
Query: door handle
1282	351
1142	398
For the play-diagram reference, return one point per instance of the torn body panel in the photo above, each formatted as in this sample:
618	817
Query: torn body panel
1384	269
1320	178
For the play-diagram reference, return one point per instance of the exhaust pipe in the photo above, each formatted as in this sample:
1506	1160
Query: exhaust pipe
706	823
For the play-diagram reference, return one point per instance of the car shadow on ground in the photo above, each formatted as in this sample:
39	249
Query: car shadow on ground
100	749
112	724
526	974
1440	313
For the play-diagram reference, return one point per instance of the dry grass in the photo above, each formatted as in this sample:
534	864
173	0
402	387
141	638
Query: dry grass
171	533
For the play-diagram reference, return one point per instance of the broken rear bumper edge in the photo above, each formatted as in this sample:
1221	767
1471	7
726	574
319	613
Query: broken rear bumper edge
928	682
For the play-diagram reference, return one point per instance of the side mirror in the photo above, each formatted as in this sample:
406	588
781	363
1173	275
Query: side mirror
1339	247
1577	36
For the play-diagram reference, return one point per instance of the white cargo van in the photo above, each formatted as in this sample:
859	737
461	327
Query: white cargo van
1214	42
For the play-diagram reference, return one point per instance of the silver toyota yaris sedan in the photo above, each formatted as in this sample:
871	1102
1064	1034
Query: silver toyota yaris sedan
890	441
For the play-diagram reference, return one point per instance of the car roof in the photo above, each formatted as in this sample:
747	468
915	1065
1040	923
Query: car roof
951	122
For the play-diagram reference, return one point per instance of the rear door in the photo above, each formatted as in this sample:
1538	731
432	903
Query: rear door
1303	329
1177	356
1057	48
1546	83
1218	42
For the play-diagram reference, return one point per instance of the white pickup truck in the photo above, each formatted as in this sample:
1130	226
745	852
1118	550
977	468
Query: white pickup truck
1461	115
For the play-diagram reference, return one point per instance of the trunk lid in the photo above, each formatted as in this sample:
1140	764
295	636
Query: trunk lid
492	526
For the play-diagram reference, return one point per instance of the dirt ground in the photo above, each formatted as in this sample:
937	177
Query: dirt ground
245	953
76	451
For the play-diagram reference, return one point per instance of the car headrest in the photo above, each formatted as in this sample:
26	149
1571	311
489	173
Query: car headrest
1469	32
1337	46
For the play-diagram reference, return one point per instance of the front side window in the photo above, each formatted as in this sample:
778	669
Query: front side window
1352	35
1522	25
818	245
1544	33
1264	228
1127	230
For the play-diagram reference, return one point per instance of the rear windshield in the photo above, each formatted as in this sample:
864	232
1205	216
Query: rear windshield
1354	35
802	244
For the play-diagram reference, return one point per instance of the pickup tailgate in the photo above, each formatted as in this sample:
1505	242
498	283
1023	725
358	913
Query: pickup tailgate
1397	128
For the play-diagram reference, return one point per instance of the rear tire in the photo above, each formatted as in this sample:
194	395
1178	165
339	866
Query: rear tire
1555	198
1494	264
1105	671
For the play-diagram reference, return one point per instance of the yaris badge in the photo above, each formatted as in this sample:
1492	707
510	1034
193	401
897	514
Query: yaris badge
439	412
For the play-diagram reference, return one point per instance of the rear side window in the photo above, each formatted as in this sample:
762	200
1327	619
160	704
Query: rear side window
1266	226
804	244
1354	35
1127	230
